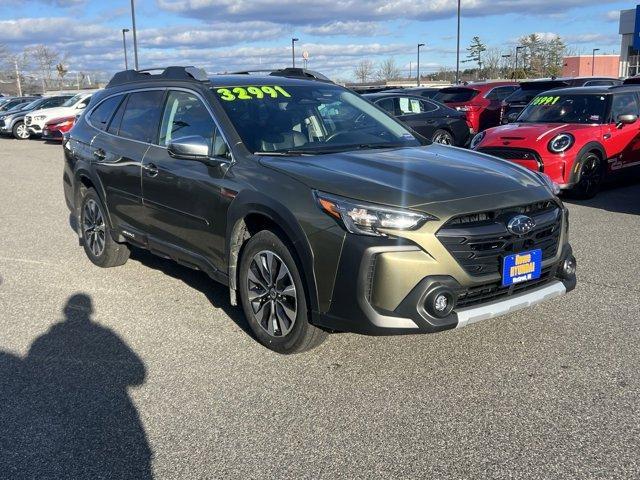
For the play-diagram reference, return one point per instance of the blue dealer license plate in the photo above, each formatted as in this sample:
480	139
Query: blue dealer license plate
521	267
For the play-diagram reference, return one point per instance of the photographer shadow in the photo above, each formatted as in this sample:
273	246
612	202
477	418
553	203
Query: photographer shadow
65	411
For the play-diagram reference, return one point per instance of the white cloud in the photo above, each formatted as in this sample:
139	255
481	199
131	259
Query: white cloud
305	12
351	28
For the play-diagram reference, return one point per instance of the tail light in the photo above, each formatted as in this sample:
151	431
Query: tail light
503	110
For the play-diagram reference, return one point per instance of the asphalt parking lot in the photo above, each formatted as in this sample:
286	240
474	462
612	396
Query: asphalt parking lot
146	371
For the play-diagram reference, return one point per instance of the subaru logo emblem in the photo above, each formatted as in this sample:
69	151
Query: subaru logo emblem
521	225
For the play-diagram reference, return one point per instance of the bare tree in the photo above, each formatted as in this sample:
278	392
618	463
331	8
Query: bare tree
388	70
364	70
46	60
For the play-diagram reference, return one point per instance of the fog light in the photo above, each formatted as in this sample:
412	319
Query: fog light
569	266
440	302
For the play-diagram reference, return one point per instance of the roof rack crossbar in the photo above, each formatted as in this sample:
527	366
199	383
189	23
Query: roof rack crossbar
166	73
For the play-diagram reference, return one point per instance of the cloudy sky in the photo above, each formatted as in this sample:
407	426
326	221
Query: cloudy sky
227	35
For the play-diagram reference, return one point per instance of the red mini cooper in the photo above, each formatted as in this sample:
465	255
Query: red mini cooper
574	135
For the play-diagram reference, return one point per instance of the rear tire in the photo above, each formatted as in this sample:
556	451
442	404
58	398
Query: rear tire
20	131
273	296
443	137
592	170
97	241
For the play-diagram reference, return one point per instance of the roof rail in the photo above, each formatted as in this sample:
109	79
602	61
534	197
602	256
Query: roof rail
289	73
166	73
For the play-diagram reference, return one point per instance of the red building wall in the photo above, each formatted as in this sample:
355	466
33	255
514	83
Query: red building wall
580	66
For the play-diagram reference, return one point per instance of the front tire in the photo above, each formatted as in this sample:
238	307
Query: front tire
273	296
97	241
591	176
20	131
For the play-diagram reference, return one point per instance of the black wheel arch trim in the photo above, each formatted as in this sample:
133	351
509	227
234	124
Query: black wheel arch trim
589	147
252	202
99	189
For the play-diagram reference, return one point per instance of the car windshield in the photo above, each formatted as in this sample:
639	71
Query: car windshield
580	108
455	95
31	105
72	101
309	119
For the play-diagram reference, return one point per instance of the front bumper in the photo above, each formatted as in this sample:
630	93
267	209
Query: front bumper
411	316
558	167
384	286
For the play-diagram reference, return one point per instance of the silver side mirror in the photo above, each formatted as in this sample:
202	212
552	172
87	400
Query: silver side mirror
193	147
626	119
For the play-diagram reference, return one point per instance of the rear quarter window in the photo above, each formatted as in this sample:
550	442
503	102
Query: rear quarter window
101	115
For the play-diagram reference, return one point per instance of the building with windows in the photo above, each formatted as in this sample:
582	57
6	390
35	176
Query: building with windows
630	47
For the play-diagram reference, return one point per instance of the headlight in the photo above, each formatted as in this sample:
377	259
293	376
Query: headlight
367	219
561	143
475	141
39	117
551	185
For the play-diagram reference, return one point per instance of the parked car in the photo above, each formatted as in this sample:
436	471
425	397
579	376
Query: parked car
480	101
15	102
12	122
576	136
431	119
55	129
315	222
519	99
36	120
426	92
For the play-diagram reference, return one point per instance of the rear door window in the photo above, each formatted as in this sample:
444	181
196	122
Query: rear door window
409	106
141	116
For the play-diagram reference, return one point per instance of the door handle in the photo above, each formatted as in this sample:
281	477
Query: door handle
99	154
151	169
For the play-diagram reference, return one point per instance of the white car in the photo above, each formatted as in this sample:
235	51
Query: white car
36	120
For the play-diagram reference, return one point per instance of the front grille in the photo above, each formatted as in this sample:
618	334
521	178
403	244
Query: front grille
495	291
509	153
480	241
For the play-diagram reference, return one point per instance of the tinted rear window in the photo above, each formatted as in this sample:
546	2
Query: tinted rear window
102	114
141	116
455	95
523	96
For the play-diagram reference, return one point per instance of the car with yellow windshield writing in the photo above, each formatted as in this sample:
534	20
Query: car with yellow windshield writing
315	208
576	136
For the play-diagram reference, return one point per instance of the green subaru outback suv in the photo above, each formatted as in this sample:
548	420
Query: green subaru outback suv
319	211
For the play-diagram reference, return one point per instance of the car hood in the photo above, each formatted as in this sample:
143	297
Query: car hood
54	112
530	132
407	177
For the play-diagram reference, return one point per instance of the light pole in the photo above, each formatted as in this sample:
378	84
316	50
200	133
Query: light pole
135	38
293	51
517	50
506	62
458	48
593	60
418	64
124	45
